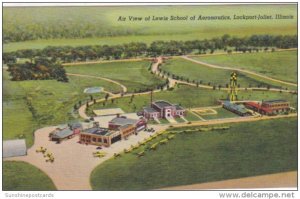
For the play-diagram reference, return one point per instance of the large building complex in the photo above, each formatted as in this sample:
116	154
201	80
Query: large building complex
118	128
163	109
270	107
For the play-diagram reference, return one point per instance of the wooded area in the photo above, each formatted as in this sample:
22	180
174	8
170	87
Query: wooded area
40	69
227	43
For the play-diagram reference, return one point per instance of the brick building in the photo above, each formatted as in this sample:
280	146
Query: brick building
163	109
270	107
118	128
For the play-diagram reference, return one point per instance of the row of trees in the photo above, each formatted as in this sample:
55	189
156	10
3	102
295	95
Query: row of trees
156	48
39	69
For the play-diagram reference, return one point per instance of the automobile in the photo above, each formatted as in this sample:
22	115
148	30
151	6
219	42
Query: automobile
99	147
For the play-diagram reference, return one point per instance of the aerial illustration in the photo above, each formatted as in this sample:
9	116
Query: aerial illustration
149	97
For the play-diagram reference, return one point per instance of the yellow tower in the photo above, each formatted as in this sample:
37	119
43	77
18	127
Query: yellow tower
232	96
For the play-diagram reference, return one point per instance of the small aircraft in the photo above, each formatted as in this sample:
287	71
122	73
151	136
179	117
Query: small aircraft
99	154
41	150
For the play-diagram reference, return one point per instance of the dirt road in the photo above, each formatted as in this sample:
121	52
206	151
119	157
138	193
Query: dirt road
278	180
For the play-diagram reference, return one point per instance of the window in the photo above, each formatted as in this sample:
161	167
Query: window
99	140
94	139
105	140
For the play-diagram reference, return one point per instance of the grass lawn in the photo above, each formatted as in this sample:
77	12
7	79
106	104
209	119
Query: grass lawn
21	176
93	19
191	117
152	122
163	121
280	65
190	97
134	75
222	113
198	72
34	104
179	119
246	149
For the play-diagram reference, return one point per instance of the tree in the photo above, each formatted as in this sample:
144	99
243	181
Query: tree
106	96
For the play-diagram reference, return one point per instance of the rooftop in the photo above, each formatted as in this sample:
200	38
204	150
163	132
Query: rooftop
62	133
258	106
123	121
75	125
162	104
98	131
178	107
276	101
149	110
241	108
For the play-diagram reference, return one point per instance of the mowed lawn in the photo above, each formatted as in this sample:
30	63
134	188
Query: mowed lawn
134	75
21	176
221	113
28	105
243	150
198	72
190	97
281	65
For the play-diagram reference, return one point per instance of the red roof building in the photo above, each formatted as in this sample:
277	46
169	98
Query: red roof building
269	107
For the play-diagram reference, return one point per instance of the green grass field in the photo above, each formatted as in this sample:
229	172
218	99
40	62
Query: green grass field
48	20
243	150
191	117
280	65
190	97
198	72
134	75
21	176
51	103
221	113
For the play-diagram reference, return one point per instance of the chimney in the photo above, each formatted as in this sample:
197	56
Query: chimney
118	115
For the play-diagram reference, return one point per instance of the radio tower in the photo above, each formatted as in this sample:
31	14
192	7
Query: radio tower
232	96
